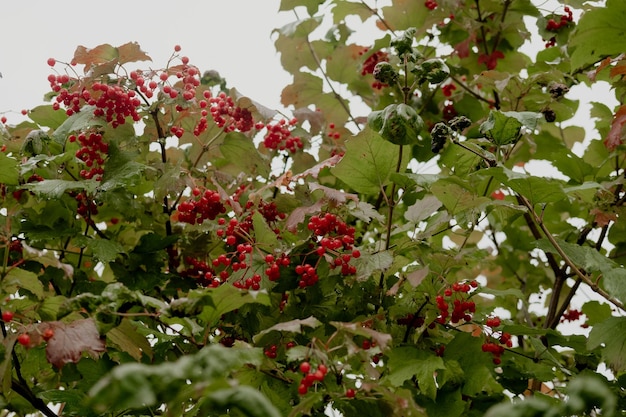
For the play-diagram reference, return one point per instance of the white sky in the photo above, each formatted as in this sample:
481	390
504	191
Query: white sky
233	37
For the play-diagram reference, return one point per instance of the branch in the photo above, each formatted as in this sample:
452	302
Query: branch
580	274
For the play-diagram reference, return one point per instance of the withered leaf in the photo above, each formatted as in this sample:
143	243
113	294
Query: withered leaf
70	340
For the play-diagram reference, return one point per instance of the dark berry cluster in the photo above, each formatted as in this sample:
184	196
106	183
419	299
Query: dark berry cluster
431	4
86	205
279	136
93	152
204	205
311	376
456	297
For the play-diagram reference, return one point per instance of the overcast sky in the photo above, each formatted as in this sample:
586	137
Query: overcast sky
233	37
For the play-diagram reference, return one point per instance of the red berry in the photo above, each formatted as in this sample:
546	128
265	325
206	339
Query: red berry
7	316
305	367
177	48
24	339
302	389
47	334
52	62
350	393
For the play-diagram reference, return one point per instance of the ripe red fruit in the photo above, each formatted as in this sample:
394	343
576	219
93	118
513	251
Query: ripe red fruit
47	334
24	339
24	112
350	393
305	367
177	48
52	62
7	316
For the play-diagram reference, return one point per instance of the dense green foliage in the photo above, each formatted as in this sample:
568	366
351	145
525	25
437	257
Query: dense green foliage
171	247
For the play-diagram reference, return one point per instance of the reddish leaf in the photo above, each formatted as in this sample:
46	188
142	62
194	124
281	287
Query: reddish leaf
602	218
615	136
91	57
131	52
70	341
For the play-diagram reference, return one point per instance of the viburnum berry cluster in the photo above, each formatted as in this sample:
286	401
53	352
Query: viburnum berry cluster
457	297
311	376
497	341
204	205
370	64
564	20
431	4
226	114
334	238
279	136
93	152
555	25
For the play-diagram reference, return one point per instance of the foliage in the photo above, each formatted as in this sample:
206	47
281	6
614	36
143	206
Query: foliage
171	247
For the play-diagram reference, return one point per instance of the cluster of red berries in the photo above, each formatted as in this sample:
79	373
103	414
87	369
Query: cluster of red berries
497	341
448	89
490	60
280	137
462	307
554	26
273	268
93	152
334	238
564	20
431	4
204	205
200	271
571	315
332	133
411	320
271	351
311	376
372	60
225	113
449	111
86	206
114	103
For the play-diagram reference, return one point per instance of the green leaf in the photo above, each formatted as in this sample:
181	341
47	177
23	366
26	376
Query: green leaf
614	281
408	362
247	399
505	127
292	326
56	188
611	335
537	190
422	209
311	5
228	298
586	257
77	122
105	250
240	150
9	173
126	338
18	278
45	115
368	162
596	312
456	195
136	385
264	235
599	33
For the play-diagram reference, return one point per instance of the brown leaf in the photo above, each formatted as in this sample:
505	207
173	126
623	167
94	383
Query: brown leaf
70	341
615	137
297	215
602	218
